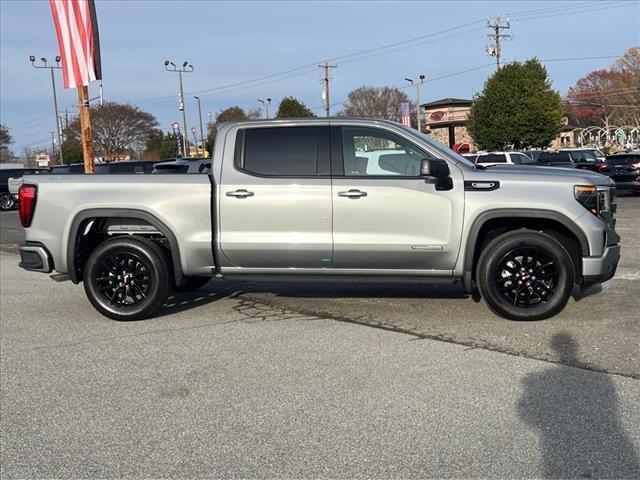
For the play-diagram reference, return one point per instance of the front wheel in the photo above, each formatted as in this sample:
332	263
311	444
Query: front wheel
127	278
7	202
525	275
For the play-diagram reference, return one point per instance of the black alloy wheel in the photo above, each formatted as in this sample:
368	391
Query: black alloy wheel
127	278
527	277
123	279
7	202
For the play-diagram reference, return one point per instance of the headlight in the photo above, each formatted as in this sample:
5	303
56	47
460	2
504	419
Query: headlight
595	199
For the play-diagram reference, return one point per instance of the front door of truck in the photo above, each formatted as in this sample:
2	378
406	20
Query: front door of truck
275	199
385	215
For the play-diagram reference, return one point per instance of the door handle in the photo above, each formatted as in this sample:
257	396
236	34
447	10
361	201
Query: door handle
242	193
352	194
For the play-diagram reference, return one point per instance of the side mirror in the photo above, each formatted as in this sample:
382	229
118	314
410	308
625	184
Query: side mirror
434	167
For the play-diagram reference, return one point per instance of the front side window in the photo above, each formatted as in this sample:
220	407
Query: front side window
520	159
284	151
371	152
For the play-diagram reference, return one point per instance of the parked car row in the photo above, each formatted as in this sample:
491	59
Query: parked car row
11	178
623	168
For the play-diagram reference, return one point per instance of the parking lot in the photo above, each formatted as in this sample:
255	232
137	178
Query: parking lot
292	380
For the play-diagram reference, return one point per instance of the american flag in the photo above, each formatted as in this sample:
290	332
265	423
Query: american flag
404	114
77	31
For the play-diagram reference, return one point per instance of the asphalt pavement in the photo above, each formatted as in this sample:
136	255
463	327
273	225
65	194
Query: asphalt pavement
248	380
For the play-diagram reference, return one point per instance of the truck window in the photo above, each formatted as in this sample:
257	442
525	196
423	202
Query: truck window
492	158
370	152
286	151
520	159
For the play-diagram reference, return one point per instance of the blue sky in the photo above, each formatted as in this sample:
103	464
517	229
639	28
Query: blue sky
232	42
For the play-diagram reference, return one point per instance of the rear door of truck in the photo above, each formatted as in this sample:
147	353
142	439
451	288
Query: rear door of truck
275	198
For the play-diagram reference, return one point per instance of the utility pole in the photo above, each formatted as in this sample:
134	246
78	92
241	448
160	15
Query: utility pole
421	77
325	80
495	49
53	145
266	103
186	68
201	131
32	59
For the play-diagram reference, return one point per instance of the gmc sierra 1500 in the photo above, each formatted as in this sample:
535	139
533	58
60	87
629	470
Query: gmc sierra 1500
339	199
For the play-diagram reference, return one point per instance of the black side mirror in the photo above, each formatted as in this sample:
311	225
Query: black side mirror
434	168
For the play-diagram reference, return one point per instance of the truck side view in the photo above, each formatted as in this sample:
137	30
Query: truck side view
341	199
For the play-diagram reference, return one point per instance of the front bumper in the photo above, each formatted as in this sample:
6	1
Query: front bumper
35	257
600	269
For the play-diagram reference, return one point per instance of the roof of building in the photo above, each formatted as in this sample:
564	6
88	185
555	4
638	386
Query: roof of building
446	102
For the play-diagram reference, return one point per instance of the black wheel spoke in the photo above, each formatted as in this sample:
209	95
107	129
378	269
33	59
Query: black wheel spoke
123	279
527	276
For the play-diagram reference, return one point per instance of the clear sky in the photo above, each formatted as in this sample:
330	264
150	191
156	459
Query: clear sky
234	42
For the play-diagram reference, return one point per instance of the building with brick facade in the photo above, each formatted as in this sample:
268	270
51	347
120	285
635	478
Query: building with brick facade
445	121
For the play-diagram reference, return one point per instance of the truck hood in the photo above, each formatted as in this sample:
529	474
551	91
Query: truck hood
549	173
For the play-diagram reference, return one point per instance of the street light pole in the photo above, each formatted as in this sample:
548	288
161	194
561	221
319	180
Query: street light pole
186	68
421	77
201	131
32	59
266	103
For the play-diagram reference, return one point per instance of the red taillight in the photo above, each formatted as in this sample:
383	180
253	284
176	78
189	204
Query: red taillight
602	167
27	196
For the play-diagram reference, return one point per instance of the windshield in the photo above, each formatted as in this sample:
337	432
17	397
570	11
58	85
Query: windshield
441	148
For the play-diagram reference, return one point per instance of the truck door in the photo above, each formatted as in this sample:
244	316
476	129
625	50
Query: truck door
385	215
275	199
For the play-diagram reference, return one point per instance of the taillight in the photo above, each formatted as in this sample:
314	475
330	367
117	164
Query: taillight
602	167
27	196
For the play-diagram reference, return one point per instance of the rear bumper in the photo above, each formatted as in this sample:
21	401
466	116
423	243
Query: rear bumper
35	257
600	269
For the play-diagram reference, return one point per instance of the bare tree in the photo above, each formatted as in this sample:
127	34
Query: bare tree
374	102
117	129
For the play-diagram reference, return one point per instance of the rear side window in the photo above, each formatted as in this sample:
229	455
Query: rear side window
492	158
554	157
286	151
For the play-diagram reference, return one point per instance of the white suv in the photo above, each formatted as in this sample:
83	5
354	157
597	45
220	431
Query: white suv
500	158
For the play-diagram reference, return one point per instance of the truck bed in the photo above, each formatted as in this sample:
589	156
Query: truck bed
179	203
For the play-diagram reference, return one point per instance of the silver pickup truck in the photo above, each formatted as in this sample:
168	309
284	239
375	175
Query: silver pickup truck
325	199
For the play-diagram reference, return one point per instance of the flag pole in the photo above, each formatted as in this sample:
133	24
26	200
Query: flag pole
85	129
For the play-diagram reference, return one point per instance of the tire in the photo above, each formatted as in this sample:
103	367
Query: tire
540	264
7	202
190	284
127	278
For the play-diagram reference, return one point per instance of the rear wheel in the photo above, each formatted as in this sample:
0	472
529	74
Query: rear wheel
525	275
127	278
7	202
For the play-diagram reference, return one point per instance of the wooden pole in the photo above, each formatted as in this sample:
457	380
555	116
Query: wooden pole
85	129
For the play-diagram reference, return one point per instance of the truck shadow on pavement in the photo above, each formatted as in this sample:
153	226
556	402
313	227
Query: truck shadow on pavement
353	290
575	413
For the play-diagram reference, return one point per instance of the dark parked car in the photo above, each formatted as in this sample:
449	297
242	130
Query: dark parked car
7	199
183	165
129	166
624	169
586	158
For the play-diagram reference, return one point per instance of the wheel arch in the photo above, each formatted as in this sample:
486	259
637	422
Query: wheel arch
75	274
491	223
